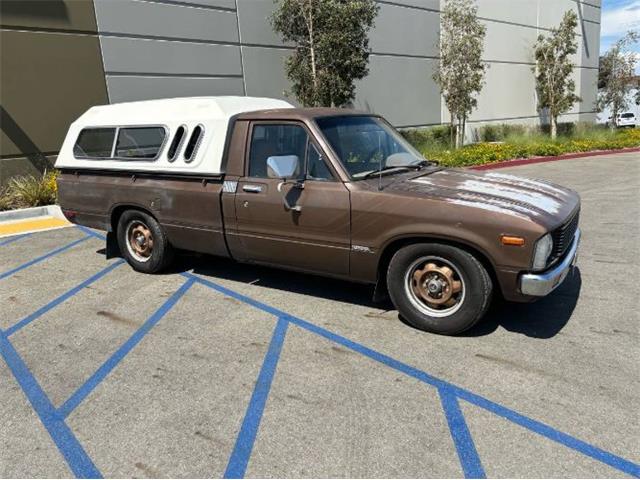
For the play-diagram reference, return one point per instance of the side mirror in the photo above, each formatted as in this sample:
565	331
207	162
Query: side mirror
282	166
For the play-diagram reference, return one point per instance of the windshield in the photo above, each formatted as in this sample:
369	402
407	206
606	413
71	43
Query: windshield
367	144
627	115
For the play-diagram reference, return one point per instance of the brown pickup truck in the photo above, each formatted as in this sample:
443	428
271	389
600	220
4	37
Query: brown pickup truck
332	192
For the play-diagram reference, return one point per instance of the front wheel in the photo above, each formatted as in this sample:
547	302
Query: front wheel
438	288
143	242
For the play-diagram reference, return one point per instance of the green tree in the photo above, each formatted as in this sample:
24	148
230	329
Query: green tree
331	47
618	67
460	73
553	70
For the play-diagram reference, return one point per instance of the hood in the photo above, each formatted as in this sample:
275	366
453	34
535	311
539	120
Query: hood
538	200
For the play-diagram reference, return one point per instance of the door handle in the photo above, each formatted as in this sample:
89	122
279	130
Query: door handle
252	188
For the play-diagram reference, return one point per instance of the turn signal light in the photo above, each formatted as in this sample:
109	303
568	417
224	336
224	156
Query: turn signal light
512	240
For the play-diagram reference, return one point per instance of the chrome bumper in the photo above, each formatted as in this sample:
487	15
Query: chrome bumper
541	284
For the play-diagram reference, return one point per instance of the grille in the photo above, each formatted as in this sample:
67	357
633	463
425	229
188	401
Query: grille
563	236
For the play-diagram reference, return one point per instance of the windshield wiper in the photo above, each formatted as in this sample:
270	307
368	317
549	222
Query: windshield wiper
421	164
381	171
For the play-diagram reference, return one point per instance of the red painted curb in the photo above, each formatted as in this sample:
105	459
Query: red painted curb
569	156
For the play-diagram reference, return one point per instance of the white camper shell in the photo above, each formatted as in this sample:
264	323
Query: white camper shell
176	135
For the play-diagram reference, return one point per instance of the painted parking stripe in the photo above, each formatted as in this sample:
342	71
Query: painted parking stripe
57	301
106	368
67	443
467	453
14	238
43	257
243	447
535	426
88	231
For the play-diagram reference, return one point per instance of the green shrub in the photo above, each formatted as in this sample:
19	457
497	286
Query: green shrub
420	138
499	132
6	202
32	191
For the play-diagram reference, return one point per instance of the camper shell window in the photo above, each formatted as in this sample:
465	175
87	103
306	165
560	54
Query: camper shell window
193	143
95	143
176	143
121	143
140	143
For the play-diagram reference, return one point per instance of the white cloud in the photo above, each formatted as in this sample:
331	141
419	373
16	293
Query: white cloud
617	20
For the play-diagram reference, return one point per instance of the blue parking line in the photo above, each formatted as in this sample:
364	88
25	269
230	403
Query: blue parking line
239	459
43	257
467	453
67	443
540	428
57	301
88	231
14	238
101	373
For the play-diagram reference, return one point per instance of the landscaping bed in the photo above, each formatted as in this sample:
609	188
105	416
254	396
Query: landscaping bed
519	146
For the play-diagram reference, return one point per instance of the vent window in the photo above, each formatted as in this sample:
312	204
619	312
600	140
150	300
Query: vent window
192	145
94	143
175	143
140	143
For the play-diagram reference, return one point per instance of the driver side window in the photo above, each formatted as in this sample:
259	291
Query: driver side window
268	140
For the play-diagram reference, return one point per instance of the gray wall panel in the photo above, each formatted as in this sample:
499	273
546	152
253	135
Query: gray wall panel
255	27
590	46
428	4
542	13
401	89
161	56
228	4
405	31
509	92
509	43
166	20
264	72
129	88
551	11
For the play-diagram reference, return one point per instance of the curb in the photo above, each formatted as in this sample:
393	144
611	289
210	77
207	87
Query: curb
30	220
24	213
526	161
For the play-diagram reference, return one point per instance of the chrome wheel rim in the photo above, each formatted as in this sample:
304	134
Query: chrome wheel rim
435	286
139	241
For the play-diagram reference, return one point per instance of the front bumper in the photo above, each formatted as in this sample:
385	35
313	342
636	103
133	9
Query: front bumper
541	284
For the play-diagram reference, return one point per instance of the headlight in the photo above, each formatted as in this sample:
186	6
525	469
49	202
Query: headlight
542	252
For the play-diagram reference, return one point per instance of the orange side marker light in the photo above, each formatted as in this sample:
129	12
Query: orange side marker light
512	240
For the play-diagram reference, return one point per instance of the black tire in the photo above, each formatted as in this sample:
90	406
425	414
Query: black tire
149	260
470	303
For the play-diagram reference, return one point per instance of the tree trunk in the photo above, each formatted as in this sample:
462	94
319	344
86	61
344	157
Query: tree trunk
312	51
554	127
464	130
459	132
452	130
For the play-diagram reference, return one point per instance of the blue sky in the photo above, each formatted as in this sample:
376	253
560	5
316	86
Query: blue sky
618	16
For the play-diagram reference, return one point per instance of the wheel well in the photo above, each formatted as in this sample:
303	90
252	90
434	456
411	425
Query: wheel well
117	212
396	245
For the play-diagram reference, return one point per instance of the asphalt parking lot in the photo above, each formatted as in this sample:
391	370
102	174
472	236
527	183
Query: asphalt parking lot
217	369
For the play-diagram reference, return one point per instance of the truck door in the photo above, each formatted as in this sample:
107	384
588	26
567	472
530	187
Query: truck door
315	236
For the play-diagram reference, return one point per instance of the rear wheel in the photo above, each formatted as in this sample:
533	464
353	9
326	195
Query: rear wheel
143	242
438	288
